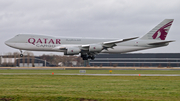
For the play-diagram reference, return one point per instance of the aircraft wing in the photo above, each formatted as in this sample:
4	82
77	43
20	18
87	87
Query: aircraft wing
161	43
104	45
110	44
119	41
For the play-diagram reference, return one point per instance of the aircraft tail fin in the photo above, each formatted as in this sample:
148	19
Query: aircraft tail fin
160	31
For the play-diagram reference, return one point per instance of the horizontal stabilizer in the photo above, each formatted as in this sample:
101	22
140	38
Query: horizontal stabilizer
161	43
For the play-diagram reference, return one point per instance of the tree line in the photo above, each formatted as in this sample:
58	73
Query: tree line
12	59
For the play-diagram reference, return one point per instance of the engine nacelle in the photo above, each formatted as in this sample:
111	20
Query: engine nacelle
95	48
72	51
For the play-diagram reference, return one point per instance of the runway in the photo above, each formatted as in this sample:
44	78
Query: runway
86	68
83	74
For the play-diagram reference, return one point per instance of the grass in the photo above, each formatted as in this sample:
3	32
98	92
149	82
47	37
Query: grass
87	88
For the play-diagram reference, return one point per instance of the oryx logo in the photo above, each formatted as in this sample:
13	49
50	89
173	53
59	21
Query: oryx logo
162	32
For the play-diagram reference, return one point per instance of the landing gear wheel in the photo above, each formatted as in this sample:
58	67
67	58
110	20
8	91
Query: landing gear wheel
92	58
21	55
84	57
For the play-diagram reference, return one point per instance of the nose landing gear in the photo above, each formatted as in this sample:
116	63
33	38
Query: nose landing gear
21	55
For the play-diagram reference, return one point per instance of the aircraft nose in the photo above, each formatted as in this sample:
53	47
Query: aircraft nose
8	42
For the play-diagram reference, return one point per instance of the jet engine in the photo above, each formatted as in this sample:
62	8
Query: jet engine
72	51
95	48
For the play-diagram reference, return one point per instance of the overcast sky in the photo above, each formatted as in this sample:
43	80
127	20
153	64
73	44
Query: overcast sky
88	18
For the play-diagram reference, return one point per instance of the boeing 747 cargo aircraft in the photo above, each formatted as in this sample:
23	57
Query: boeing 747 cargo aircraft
89	47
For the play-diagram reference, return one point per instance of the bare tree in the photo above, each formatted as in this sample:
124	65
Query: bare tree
16	58
5	60
23	60
28	57
32	59
19	59
66	60
9	56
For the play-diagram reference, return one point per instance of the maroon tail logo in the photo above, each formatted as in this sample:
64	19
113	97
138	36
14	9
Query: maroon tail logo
162	32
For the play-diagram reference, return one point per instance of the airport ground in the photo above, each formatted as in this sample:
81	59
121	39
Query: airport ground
40	84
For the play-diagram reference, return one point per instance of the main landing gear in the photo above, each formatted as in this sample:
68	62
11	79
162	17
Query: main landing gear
86	56
21	55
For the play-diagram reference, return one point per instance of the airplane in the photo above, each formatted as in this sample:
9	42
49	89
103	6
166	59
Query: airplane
89	47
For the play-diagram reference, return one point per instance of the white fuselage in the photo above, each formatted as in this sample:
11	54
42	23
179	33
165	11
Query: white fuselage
50	43
89	47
